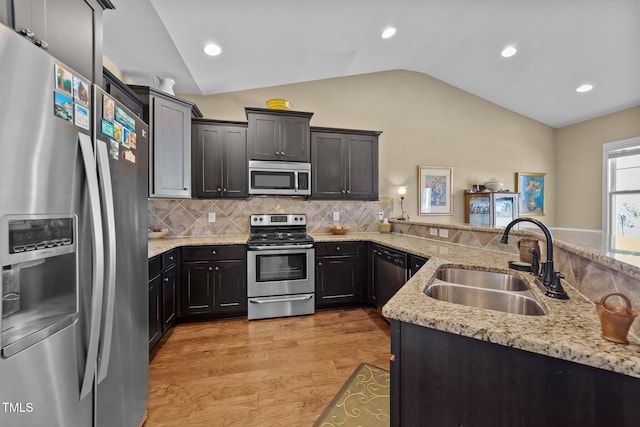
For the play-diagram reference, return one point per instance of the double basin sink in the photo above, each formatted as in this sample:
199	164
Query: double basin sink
484	289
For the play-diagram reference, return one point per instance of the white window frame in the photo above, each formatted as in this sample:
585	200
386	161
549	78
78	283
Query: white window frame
612	150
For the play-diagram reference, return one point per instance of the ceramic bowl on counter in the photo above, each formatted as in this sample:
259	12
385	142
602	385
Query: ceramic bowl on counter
493	185
337	229
158	234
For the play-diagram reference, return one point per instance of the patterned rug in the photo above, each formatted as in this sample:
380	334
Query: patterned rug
362	401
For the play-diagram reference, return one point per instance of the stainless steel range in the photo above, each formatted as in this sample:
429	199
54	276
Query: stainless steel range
280	266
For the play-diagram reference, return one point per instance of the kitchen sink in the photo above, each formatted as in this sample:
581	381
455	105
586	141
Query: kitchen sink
485	289
490	299
482	279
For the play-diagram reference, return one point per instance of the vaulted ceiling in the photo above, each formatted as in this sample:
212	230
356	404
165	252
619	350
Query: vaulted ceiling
561	44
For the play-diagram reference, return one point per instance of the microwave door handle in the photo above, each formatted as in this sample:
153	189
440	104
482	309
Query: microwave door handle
295	179
104	176
97	280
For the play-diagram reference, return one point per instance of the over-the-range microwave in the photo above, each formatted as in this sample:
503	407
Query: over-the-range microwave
279	178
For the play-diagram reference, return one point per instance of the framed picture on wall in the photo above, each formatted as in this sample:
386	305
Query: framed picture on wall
532	189
434	190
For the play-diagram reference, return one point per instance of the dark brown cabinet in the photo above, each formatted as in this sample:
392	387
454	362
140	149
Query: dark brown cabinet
341	274
219	162
169	120
121	92
162	294
444	379
213	282
155	286
344	164
278	134
70	30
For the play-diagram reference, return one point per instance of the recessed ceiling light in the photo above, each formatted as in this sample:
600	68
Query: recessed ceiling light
212	49
388	32
508	51
584	88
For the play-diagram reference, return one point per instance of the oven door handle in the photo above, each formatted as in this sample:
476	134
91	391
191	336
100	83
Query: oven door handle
280	247
288	299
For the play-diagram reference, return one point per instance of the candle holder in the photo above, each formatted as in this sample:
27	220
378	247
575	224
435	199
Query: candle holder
402	191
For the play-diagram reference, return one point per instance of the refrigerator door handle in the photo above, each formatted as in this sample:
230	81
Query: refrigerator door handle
97	281
104	176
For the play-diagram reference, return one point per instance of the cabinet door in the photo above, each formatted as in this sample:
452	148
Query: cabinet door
168	298
337	281
207	162
121	92
230	287
294	139
5	12
327	167
171	152
361	153
263	137
234	163
155	323
66	28
196	295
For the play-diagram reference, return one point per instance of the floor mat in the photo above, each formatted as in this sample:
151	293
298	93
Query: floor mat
363	400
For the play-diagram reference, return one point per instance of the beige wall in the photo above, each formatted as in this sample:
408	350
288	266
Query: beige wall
579	166
424	122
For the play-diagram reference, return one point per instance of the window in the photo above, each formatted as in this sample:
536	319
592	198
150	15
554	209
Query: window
621	196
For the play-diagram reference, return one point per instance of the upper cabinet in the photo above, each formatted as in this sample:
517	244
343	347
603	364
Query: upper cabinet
344	164
70	30
278	134
219	159
169	121
121	92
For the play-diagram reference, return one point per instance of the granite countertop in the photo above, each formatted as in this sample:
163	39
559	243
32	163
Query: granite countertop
570	330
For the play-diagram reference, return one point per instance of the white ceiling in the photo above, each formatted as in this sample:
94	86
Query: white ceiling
561	44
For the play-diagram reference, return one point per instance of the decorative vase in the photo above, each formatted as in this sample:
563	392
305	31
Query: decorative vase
531	204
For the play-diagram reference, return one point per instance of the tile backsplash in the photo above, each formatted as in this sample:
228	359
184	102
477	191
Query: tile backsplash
189	218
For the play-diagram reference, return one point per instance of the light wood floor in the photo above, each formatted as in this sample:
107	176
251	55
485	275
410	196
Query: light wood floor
272	372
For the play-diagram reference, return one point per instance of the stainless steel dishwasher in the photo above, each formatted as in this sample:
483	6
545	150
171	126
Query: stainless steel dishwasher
389	274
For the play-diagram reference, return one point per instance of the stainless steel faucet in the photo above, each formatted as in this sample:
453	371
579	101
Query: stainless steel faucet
551	285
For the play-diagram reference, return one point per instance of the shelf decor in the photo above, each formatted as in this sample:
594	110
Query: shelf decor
434	190
532	188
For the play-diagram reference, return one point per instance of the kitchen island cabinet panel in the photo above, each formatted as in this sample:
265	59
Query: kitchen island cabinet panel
439	378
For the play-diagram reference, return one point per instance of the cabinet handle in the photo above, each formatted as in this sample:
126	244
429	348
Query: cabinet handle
210	268
319	264
337	248
170	258
43	44
343	191
224	190
27	33
348	191
219	189
217	268
166	279
213	252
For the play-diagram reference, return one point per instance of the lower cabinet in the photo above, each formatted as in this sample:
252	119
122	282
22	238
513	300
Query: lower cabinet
444	379
213	282
341	274
162	294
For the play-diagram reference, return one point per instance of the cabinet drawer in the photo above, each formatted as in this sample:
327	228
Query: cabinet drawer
155	266
169	259
212	253
338	248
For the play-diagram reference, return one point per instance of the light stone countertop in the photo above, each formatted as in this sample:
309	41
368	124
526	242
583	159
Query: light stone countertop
570	330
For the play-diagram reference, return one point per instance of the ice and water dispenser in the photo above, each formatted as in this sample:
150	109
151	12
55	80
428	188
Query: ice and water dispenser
39	278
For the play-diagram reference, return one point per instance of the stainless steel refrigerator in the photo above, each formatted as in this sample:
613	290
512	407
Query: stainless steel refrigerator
73	247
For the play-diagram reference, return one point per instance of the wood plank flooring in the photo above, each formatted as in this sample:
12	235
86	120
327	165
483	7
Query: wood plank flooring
271	372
